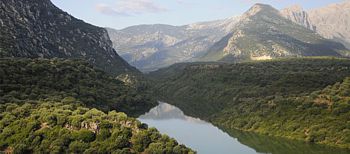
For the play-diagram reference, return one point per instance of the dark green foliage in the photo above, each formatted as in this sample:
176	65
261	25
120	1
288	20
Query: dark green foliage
68	81
314	118
279	97
96	131
84	135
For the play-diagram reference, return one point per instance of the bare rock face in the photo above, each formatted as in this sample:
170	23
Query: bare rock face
37	28
332	21
298	15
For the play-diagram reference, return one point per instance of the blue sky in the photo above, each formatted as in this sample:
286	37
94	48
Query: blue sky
123	13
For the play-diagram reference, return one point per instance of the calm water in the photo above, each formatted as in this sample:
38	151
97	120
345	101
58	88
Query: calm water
208	139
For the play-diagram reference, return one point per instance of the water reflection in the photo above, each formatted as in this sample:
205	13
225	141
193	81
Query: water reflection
195	133
208	139
166	111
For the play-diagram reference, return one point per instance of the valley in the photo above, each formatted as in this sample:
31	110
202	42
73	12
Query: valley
304	99
265	81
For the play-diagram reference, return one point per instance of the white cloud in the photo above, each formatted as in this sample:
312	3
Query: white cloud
131	7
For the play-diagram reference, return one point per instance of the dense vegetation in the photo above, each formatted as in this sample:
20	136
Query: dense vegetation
30	80
49	106
57	127
321	117
284	97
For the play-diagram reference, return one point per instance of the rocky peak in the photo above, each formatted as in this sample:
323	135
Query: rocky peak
37	28
260	9
259	12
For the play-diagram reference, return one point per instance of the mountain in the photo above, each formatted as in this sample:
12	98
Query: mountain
270	35
37	28
263	33
297	98
149	47
331	22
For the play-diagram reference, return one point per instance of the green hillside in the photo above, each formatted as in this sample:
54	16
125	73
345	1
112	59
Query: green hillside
24	80
277	97
320	117
67	106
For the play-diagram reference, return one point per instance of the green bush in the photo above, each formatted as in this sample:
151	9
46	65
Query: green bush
84	135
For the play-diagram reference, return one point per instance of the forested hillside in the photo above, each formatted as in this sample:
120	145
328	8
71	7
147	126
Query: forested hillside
276	97
321	117
24	80
67	106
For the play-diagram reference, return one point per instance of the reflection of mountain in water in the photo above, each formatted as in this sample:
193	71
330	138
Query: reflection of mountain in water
166	111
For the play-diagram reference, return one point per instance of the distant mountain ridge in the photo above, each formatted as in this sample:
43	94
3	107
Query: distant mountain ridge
37	28
263	33
150	47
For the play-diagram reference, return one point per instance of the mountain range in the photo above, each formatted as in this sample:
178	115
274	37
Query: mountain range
149	47
306	33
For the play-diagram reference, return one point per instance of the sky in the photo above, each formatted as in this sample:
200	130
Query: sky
119	14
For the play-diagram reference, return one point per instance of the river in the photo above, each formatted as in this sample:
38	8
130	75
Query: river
205	138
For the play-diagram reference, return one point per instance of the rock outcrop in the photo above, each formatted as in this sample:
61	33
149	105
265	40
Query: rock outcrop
37	28
332	21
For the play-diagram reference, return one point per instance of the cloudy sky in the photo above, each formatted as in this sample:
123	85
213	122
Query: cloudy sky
123	13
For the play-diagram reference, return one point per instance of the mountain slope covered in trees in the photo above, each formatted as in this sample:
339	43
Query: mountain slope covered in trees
277	97
24	80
